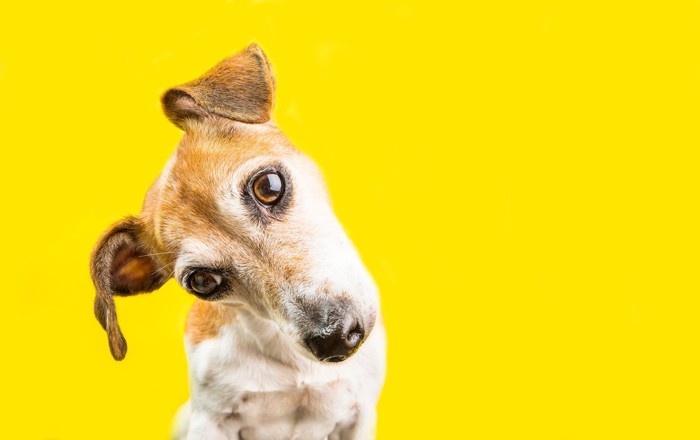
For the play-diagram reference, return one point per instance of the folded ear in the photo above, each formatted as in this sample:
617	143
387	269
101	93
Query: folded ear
122	264
240	88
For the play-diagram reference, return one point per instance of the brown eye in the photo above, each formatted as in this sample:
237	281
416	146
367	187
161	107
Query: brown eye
268	188
204	283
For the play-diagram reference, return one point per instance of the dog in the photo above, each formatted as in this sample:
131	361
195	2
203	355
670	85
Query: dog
285	339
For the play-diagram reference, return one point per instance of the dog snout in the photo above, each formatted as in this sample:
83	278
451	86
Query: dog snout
341	343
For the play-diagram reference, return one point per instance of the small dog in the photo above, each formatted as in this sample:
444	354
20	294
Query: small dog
286	339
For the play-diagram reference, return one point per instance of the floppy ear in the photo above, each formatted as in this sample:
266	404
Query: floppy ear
121	264
240	88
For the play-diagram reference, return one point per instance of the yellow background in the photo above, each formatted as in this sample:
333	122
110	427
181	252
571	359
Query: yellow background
520	177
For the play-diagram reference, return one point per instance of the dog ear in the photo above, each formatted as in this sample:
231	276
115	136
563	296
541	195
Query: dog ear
241	88
121	264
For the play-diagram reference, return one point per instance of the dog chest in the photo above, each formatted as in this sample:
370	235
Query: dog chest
308	412
262	400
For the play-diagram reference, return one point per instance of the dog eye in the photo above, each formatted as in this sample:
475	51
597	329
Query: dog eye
203	282
268	188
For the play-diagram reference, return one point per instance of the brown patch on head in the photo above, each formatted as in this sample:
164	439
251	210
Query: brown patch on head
206	319
200	198
186	202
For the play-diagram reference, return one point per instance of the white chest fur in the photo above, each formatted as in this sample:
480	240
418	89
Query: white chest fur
261	388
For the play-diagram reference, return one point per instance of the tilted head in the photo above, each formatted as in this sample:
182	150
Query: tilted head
239	216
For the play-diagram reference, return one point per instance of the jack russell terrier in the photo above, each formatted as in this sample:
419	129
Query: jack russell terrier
286	339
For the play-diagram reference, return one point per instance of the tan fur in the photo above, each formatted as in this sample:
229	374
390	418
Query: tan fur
205	319
205	159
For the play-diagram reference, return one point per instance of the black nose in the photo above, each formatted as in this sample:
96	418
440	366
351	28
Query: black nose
340	344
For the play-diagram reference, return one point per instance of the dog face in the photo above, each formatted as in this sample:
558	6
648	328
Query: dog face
239	216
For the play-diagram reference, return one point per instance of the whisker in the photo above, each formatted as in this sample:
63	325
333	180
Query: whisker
160	269
158	253
171	274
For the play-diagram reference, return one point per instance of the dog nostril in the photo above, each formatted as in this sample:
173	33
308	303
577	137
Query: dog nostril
354	336
340	344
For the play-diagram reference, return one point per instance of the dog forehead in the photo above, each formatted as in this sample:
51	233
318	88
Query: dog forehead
211	153
211	163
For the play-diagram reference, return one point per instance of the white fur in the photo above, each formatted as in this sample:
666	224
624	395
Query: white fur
251	383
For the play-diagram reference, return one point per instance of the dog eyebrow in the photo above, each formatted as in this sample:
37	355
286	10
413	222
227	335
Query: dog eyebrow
192	253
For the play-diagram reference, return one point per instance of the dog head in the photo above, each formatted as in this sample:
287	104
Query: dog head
239	216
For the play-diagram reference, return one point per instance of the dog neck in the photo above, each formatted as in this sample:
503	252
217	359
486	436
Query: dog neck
269	340
257	336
